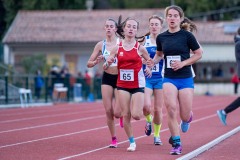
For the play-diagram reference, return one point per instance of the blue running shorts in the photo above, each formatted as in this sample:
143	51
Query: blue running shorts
180	83
154	83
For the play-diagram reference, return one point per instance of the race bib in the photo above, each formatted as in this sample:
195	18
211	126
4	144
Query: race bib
126	75
115	60
171	59
155	68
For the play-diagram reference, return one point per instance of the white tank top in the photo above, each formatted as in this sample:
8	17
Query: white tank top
106	53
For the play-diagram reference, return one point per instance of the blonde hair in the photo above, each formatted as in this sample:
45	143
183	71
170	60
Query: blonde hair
156	17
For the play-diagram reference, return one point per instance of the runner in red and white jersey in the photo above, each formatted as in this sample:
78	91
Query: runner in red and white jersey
131	79
130	68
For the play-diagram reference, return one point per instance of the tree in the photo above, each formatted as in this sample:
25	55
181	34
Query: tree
214	9
32	63
2	21
139	3
13	6
191	7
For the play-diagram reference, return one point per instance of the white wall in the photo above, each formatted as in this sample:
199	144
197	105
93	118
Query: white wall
215	88
218	53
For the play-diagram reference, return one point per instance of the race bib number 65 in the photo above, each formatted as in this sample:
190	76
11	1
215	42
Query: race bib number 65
126	75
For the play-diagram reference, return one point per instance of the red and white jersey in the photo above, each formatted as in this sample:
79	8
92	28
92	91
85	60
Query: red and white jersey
130	72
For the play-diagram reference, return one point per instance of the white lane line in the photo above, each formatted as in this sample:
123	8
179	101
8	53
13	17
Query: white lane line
47	138
209	145
91	151
47	116
80	154
25	111
69	134
31	118
45	109
53	124
58	136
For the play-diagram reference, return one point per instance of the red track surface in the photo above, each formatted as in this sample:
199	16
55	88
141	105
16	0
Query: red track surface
79	131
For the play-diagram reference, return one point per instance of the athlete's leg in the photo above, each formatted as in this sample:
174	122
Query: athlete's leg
124	102
117	107
107	96
147	101
147	110
170	94
185	103
157	114
137	105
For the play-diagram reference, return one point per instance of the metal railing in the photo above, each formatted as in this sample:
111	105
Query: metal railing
10	85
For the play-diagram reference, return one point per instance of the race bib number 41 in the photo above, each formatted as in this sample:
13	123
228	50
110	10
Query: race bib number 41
126	74
171	59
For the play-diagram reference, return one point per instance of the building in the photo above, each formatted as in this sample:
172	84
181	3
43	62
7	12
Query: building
70	36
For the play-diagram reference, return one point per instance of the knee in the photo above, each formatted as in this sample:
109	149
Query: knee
158	113
171	112
146	110
117	115
136	116
186	117
109	113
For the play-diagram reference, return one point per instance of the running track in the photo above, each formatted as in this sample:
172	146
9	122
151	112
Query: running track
79	132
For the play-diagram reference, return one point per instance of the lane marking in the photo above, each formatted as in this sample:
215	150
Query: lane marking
73	133
45	109
48	116
98	149
53	124
47	138
83	153
209	145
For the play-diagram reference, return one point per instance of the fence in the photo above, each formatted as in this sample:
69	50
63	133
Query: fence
10	85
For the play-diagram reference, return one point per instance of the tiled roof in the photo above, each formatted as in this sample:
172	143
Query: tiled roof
213	32
87	26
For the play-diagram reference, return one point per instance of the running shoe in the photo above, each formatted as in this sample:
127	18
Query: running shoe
222	117
121	122
177	147
113	144
186	125
157	141
132	147
148	128
176	150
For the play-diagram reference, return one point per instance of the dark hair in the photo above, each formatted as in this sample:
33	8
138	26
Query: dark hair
110	19
188	25
119	31
121	25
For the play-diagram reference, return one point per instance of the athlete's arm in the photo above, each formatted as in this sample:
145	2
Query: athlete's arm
144	53
95	58
156	59
197	54
111	57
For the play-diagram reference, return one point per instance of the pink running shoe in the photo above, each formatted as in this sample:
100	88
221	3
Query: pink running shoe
113	144
121	121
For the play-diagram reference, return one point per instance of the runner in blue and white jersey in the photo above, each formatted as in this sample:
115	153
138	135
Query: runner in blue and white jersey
153	84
